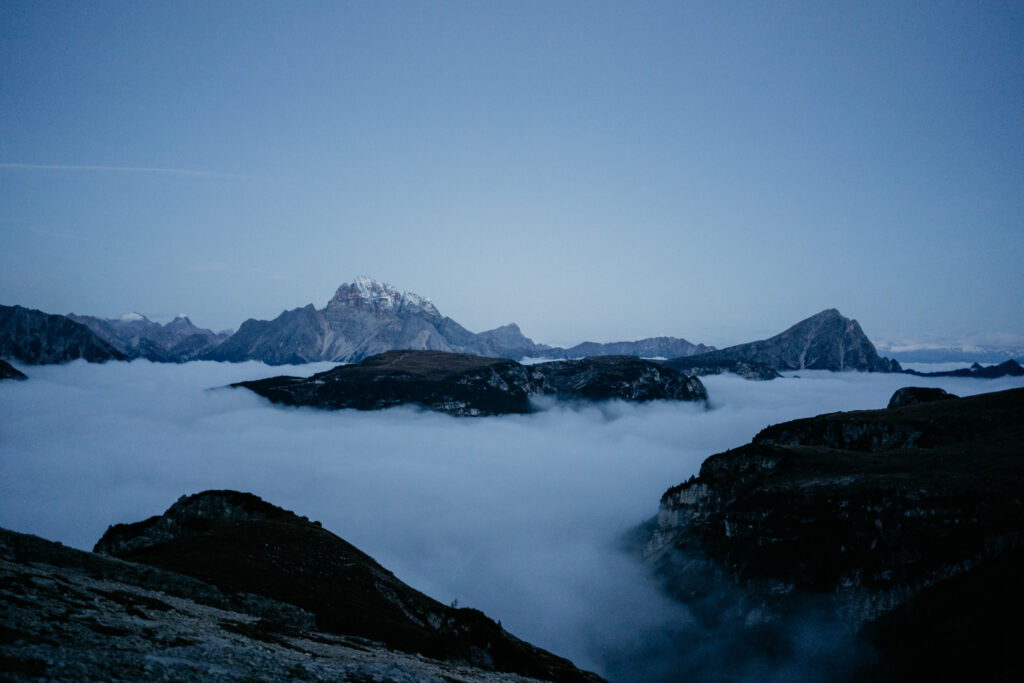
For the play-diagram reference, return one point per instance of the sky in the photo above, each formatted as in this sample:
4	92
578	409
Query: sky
520	516
589	170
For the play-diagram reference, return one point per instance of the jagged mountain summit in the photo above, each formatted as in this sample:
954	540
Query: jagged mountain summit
39	338
367	317
826	341
136	336
363	318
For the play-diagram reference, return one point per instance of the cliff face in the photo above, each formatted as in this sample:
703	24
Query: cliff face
868	512
465	385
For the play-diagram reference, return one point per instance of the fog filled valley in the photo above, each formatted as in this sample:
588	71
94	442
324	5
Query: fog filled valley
519	516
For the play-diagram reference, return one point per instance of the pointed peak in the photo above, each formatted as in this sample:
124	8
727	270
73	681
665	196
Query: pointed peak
828	313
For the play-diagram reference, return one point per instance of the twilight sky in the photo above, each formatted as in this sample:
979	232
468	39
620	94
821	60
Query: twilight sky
602	171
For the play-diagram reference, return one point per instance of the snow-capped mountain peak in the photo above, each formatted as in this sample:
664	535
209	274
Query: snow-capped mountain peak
367	293
132	317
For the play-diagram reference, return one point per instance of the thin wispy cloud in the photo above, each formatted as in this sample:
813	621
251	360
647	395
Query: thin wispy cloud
121	169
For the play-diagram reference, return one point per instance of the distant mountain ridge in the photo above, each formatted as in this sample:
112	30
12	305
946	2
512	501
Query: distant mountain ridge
367	317
825	341
41	338
136	336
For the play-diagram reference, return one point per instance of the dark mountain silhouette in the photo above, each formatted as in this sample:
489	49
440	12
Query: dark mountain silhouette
902	524
39	338
465	385
242	544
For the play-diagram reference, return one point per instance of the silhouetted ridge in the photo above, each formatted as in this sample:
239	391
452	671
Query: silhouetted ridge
239	542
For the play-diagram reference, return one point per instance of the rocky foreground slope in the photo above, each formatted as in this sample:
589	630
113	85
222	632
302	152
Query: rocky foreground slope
465	385
905	525
226	587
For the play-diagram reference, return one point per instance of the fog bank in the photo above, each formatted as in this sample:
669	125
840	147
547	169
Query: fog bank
516	515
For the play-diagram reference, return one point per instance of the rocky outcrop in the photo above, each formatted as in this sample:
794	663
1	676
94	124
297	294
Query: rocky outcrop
39	338
699	366
464	385
136	336
8	371
862	512
242	545
69	615
1010	368
908	396
617	377
826	341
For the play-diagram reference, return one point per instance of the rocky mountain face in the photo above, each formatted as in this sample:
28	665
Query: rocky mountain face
888	521
243	546
363	318
826	341
136	336
8	371
39	338
368	317
465	385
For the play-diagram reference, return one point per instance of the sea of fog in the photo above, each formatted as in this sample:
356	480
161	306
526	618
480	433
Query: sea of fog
519	516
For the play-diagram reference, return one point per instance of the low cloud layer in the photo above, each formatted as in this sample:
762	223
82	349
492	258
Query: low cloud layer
519	516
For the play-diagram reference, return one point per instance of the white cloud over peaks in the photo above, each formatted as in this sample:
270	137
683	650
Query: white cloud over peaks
518	516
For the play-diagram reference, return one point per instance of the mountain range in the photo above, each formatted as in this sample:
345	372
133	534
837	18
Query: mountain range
136	336
367	317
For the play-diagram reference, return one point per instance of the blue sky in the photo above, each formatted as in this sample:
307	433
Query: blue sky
603	171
